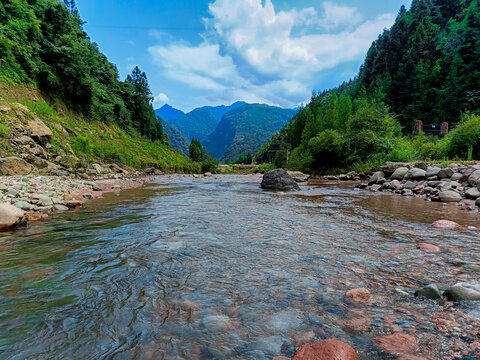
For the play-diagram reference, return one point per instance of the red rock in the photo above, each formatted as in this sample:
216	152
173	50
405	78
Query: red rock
359	295
396	344
429	248
304	338
412	357
280	358
326	350
445	224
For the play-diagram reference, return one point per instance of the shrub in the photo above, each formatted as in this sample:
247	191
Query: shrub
464	138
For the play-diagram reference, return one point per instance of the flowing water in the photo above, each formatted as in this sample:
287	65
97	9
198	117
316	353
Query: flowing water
219	269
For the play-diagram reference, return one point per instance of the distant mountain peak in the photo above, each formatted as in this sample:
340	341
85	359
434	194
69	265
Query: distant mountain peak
168	112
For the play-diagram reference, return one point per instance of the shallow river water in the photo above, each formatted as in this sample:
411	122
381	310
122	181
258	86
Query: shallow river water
219	269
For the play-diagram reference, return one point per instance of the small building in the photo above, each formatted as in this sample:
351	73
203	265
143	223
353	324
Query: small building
431	129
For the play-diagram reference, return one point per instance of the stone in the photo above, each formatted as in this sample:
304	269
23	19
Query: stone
11	166
359	295
463	291
298	176
477	202
430	292
472	193
376	177
87	196
10	217
445	224
207	174
459	177
396	344
23	205
399	173
429	248
68	161
375	188
279	180
38	131
395	185
415	174
326	350
432	171
44	200
474	178
446	173
409	185
391	167
59	207
449	196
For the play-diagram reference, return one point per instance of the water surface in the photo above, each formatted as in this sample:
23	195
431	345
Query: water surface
219	269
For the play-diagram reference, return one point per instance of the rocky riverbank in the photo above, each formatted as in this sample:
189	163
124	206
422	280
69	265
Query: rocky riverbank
33	198
453	184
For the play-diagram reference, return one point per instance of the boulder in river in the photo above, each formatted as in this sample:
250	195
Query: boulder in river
298	176
432	171
415	174
430	292
446	173
330	349
472	193
378	177
10	216
450	196
445	224
474	178
399	174
279	180
463	291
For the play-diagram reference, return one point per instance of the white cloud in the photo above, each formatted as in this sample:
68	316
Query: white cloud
160	100
253	53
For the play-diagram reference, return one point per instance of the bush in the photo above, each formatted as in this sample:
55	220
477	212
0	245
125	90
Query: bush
209	165
464	138
83	145
327	148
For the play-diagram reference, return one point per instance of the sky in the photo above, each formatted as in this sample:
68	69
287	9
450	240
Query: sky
213	52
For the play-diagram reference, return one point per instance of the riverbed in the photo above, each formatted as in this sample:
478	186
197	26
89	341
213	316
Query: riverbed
217	268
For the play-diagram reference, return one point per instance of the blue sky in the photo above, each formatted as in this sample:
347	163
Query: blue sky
212	52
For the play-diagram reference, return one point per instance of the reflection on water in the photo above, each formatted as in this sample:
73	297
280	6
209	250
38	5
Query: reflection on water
219	269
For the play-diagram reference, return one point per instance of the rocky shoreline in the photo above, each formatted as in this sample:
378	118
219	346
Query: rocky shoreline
33	198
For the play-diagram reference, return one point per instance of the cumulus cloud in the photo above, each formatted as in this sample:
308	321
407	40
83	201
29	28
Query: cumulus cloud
252	52
160	100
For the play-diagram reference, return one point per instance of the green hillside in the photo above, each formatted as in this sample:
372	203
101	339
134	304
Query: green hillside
244	130
177	139
426	67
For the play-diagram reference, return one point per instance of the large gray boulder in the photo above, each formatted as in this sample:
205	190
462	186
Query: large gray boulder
463	291
445	173
399	173
11	166
472	193
449	196
474	178
10	216
415	174
379	176
279	180
432	171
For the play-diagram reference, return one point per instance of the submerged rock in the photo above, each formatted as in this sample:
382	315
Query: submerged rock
396	344
279	180
463	291
430	292
359	295
429	248
445	224
10	217
326	350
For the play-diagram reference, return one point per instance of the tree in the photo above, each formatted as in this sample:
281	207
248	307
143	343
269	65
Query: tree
196	150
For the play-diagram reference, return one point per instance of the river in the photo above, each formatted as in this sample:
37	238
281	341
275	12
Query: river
216	268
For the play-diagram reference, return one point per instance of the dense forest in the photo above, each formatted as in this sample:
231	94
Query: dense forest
42	43
426	67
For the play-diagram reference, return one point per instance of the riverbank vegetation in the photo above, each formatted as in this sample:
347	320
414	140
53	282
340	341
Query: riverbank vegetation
426	67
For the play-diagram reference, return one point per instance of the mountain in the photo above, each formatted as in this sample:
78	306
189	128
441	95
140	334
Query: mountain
244	129
201	122
168	113
425	67
177	139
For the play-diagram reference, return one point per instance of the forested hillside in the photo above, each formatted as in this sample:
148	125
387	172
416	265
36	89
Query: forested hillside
426	67
243	130
177	139
42	43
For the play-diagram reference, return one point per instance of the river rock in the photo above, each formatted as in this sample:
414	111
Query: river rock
375	178
445	224
432	171
298	176
445	173
415	174
399	173
409	185
472	193
396	344
395	185
459	177
10	216
463	291
474	178
359	295
330	349
279	180
60	207
429	248
430	292
11	166
449	196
